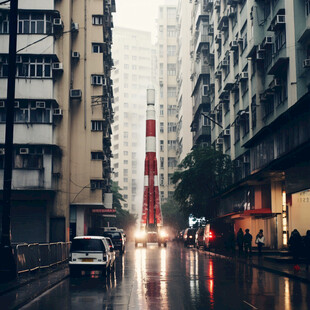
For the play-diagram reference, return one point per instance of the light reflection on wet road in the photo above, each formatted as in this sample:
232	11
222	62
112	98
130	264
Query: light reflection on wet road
176	278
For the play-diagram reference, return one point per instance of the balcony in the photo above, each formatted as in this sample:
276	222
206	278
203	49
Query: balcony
201	15
30	133
30	88
36	5
203	134
279	62
202	43
208	5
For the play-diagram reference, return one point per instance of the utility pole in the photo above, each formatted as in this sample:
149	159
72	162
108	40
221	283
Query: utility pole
7	262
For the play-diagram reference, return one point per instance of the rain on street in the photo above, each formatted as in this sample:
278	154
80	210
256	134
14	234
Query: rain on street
176	278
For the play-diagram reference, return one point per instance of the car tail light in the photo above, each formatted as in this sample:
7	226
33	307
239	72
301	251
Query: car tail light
121	240
211	235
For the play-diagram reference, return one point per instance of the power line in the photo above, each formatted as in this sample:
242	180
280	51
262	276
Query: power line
3	2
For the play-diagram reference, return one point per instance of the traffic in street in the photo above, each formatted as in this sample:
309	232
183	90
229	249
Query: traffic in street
175	277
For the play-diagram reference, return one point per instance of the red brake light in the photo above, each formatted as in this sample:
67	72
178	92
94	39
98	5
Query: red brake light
86	238
210	235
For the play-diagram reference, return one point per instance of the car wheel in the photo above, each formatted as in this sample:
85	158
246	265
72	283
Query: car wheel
136	244
165	244
159	244
113	267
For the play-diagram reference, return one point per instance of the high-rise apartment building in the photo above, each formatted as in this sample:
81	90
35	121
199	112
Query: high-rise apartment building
255	64
63	115
184	90
167	102
134	72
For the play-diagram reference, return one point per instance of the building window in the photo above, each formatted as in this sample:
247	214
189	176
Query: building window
29	67
171	31
253	112
172	127
171	13
172	145
172	162
172	109
171	92
96	184
161	127
161	110
96	155
97	125
4	23
28	161
161	179
97	79
34	23
161	50
162	161
307	3
161	146
171	50
126	172
97	48
171	69
97	19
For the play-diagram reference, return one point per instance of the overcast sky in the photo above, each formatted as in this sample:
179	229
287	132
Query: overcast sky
138	14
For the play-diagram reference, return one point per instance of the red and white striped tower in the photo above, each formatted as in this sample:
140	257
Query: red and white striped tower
151	211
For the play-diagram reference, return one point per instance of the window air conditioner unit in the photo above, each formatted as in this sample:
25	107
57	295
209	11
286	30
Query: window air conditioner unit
19	59
57	66
75	55
246	159
40	104
306	63
277	83
74	27
75	94
233	45
244	76
260	48
240	40
280	20
57	22
225	63
16	104
23	151
218	73
267	41
205	90
2	104
231	11
219	141
57	112
260	56
226	132
2	151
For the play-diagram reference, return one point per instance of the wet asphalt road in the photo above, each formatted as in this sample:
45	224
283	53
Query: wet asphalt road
176	278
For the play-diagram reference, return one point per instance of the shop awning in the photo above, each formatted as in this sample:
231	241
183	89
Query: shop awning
257	211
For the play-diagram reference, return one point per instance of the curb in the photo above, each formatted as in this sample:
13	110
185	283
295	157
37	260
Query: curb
258	266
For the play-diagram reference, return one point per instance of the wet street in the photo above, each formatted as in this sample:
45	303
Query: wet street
176	278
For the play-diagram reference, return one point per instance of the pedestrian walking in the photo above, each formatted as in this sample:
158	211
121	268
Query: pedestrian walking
307	248
247	240
295	245
260	241
240	240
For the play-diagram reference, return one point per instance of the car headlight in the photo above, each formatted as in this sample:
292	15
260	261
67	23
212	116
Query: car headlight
163	234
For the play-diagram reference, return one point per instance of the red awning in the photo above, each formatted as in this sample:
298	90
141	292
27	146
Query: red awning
257	211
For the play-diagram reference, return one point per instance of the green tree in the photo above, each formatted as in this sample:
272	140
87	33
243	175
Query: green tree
124	219
204	173
173	216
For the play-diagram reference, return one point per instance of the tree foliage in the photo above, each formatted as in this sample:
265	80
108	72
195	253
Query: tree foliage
204	173
172	215
124	219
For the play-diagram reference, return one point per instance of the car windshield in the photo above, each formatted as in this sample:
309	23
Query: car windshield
87	245
113	235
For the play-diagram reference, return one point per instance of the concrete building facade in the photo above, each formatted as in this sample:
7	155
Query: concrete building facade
63	115
166	108
256	83
134	72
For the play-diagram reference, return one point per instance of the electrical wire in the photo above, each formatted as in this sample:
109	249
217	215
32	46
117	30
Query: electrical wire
3	2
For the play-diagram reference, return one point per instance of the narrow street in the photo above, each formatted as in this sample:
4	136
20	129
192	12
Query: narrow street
176	278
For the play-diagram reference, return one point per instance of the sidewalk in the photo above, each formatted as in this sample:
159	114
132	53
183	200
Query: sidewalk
25	288
272	261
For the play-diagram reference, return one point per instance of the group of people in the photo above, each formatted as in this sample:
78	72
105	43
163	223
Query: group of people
300	246
244	241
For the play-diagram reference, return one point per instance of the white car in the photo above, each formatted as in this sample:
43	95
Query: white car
89	253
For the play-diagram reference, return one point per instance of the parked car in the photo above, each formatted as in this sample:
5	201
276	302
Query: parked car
117	239
89	253
189	237
112	253
199	237
216	235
